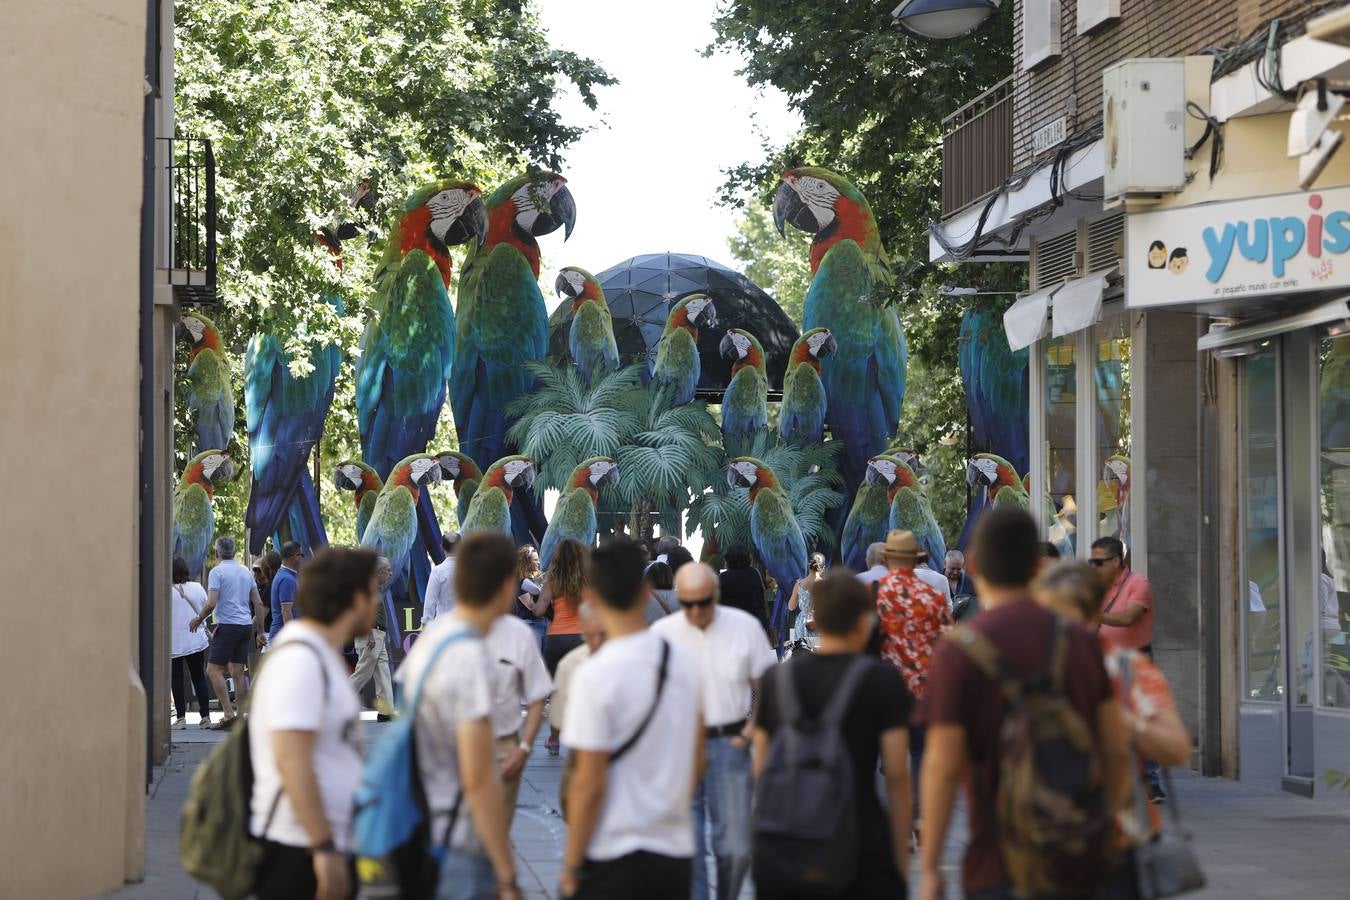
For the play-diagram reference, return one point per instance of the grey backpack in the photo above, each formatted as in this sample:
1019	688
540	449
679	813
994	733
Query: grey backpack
804	823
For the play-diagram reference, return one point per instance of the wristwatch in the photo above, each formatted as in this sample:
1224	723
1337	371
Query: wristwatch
525	748
324	847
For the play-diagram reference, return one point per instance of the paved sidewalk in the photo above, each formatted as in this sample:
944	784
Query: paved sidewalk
1254	842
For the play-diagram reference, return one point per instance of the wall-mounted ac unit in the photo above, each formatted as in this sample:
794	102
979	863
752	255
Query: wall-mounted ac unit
1144	127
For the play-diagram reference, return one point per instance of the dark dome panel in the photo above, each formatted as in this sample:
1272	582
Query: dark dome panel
641	291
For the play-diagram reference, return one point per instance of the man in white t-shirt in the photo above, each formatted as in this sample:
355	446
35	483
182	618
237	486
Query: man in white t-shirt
519	679
305	733
440	592
732	656
636	730
454	727
934	579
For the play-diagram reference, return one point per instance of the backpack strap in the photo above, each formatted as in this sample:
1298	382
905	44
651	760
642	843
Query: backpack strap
832	716
323	672
982	652
651	712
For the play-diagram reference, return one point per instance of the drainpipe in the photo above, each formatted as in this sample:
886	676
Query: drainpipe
146	521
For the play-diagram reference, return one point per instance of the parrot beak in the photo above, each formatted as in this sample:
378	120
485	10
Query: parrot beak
728	347
563	288
340	480
828	348
562	211
709	317
611	478
976	476
527	476
449	467
471	224
789	208
873	478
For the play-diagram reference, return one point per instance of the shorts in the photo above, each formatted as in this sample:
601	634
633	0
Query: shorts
230	644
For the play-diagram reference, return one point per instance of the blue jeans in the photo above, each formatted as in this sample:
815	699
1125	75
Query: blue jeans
466	876
724	798
540	628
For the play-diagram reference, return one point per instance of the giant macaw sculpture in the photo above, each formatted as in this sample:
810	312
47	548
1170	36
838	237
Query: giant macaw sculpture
210	392
365	484
801	417
464	475
865	378
490	509
745	403
393	526
574	517
996	480
773	528
868	518
678	366
910	509
285	418
996	385
194	519
591	338
408	349
503	323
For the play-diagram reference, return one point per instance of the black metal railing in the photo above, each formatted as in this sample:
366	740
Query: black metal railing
977	148
190	218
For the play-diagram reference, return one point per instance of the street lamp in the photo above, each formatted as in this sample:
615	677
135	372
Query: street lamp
943	19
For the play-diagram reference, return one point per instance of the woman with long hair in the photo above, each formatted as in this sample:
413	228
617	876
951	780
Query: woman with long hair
803	634
187	647
528	594
563	585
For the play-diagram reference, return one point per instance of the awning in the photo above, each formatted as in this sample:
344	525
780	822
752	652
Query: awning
1078	304
1240	340
1025	321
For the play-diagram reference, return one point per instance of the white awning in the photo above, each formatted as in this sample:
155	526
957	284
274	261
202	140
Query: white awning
1026	320
1078	304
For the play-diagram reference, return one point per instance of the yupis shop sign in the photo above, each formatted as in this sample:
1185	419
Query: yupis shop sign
1243	248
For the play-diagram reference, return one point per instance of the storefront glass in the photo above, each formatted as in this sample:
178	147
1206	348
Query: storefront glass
1333	400
1263	669
1111	380
1061	398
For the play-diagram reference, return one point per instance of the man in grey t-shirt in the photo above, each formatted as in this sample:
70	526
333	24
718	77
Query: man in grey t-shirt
233	596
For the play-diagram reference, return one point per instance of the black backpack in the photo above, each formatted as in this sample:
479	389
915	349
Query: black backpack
804	823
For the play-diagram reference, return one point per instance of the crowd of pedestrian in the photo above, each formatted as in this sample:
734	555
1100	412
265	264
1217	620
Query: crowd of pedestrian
702	747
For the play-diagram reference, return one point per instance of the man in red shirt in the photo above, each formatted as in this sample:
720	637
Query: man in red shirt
912	615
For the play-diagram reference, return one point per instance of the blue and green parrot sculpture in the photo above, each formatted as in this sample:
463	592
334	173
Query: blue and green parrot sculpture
997	483
408	348
868	519
865	378
574	516
490	508
393	527
774	530
801	417
365	483
745	403
910	509
285	416
464	475
210	391
996	380
591	338
678	366
194	519
503	323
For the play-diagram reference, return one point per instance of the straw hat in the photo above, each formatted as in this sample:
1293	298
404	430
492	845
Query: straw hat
901	547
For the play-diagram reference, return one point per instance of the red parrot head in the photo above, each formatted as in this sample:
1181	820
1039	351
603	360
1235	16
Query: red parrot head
595	473
892	472
510	473
209	469
202	332
692	313
812	347
445	214
990	471
415	472
578	285
743	349
458	468
354	475
748	472
537	204
828	206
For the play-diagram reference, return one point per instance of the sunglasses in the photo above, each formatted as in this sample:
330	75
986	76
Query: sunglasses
1103	561
697	604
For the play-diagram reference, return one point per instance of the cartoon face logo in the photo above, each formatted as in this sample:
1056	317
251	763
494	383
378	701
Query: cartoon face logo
1178	261
1157	255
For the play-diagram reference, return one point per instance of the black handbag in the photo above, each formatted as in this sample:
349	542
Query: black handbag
1165	865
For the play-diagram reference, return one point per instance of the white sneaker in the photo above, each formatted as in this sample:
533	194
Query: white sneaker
205	722
179	724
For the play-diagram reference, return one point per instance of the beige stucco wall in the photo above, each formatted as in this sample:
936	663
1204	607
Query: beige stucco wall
72	751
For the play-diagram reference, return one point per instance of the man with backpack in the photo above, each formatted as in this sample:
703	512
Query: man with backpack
1019	708
825	721
453	734
304	733
635	728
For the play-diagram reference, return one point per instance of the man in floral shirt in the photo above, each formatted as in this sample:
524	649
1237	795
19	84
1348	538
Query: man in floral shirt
912	616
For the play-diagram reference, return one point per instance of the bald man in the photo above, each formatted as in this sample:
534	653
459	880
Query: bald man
732	657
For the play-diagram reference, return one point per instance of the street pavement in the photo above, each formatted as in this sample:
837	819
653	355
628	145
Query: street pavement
1253	841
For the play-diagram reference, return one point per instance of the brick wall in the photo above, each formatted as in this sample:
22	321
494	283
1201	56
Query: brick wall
1146	28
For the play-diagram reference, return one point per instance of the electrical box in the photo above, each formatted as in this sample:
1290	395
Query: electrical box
1144	128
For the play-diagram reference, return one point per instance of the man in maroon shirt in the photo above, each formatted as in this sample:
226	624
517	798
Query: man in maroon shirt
964	709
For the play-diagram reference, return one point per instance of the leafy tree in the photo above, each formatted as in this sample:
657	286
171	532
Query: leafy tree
779	265
304	101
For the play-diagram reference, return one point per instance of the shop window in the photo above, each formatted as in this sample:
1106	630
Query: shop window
1111	382
1333	595
1263	668
1061	401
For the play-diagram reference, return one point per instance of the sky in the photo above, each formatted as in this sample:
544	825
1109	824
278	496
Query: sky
645	176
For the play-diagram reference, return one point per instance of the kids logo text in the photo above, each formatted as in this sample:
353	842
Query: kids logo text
1278	239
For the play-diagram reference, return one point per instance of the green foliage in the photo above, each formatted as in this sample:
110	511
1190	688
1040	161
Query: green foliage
303	101
779	265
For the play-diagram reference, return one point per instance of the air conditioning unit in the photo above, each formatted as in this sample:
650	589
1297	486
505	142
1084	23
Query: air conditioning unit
1144	128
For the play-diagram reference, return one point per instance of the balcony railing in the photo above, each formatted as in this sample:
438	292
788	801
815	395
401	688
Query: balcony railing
187	189
977	148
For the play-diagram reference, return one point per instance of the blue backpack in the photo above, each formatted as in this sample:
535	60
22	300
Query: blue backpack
395	856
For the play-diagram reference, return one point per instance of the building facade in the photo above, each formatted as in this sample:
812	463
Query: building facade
1185	317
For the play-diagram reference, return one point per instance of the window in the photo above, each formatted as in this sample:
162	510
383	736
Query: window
1263	670
1333	593
1111	380
1040	32
1094	13
1061	419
